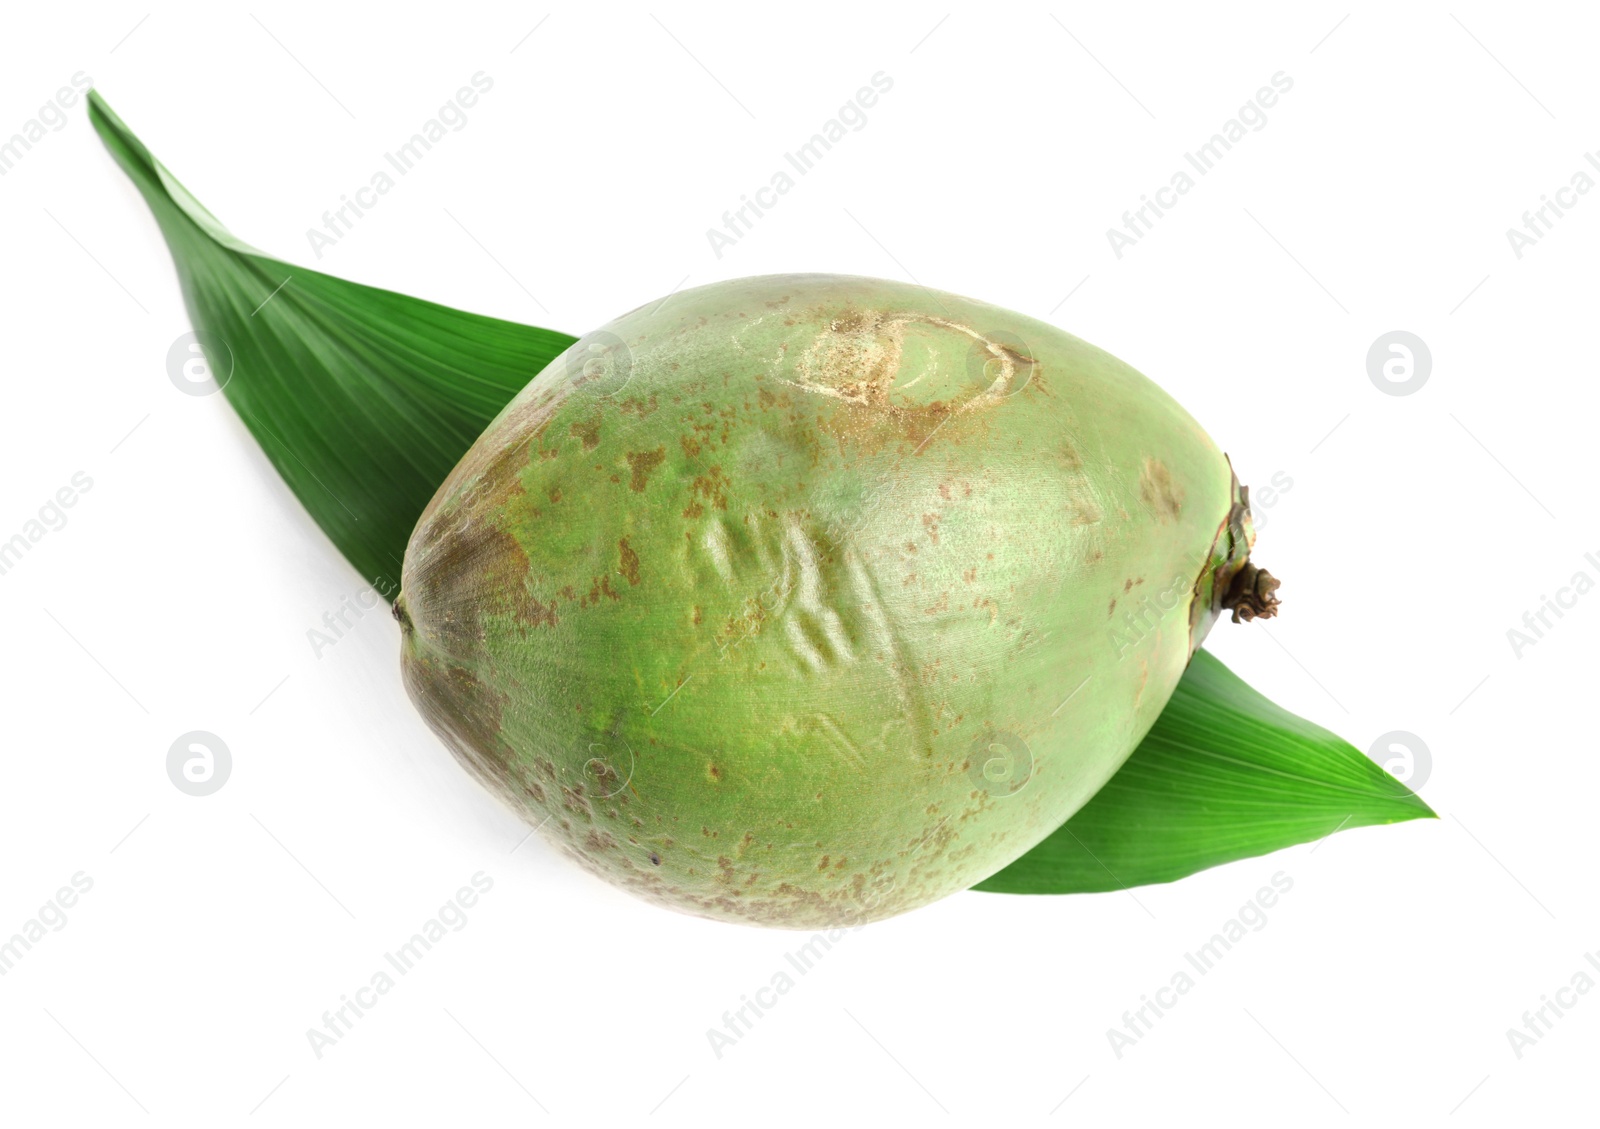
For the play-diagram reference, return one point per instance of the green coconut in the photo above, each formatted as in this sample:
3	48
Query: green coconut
805	600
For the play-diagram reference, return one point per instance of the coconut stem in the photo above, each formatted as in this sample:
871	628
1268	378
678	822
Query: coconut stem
1250	596
398	608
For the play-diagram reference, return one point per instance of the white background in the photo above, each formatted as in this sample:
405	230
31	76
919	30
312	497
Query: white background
1417	531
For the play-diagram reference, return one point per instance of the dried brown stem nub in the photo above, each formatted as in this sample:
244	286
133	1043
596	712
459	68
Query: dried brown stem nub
1250	596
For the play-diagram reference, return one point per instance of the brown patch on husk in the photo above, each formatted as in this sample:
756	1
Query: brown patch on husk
630	561
643	464
1160	495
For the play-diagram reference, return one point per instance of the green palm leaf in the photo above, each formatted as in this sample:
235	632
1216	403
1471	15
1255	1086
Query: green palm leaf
362	398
